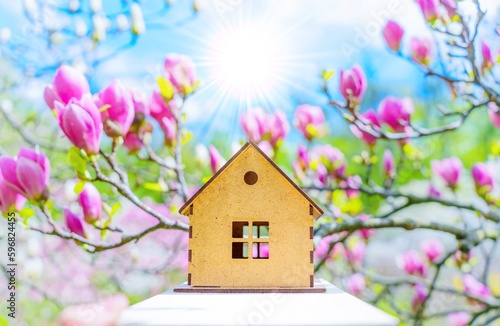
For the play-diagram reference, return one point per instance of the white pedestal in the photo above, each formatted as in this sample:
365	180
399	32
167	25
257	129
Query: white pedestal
334	307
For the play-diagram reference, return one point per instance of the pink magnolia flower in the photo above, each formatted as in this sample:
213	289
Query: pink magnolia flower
356	252
181	72
322	250
421	50
9	198
216	160
118	117
80	121
396	113
132	142
170	130
494	113
451	7
474	287
260	250
484	177
419	296
430	9
371	117
141	106
449	169
388	164
393	34
365	233
352	184
74	223
458	319
90	200
278	127
68	83
411	263
162	111
353	84
332	158
303	157
27	174
254	124
101	313
488	62
321	174
433	249
434	192
356	284
309	120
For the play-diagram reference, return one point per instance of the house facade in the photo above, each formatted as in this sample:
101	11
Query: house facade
251	226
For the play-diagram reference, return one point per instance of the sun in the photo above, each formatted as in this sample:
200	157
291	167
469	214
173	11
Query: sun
248	60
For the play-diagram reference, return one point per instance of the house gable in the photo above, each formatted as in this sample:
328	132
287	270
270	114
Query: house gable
249	177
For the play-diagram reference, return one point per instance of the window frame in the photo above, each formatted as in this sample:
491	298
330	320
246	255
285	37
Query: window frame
251	239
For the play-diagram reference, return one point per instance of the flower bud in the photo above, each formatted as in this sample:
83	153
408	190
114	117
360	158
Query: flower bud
118	117
309	120
421	50
90	200
393	34
68	84
449	169
137	19
353	84
81	123
216	160
74	223
27	174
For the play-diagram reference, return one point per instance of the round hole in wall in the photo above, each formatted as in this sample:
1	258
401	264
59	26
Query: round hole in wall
250	178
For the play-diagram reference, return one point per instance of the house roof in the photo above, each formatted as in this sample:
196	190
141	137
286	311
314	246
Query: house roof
228	163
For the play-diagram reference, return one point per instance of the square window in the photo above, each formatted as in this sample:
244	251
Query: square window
240	229
240	250
260	250
260	230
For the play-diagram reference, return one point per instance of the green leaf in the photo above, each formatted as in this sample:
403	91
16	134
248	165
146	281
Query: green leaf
153	186
186	137
26	212
166	88
327	74
79	187
77	160
114	209
312	130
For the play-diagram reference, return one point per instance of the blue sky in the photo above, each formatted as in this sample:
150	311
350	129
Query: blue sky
307	37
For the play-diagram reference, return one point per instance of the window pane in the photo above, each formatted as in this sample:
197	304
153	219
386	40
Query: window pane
240	229
240	250
260	250
264	231
260	230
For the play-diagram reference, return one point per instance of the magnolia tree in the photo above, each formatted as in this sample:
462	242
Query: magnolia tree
450	272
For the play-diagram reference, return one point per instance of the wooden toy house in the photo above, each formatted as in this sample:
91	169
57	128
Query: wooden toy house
251	227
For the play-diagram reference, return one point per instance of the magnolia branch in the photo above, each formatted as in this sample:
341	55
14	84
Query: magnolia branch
415	200
126	192
91	245
27	136
179	167
416	132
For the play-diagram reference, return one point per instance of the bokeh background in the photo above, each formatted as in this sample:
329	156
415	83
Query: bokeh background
230	43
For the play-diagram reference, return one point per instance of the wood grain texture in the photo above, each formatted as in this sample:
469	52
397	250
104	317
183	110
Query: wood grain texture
273	198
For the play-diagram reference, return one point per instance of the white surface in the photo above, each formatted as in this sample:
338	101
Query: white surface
334	307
